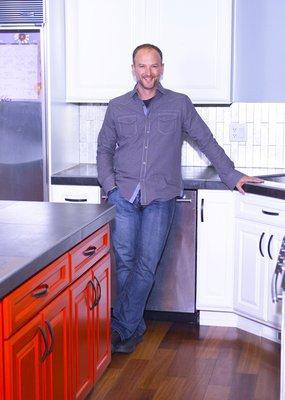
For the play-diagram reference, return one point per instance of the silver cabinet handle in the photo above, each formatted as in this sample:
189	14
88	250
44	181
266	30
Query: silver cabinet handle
182	200
274	295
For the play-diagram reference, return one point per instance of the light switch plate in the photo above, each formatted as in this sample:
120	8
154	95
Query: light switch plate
237	132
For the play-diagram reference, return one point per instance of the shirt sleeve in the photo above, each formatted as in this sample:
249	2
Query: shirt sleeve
105	152
199	132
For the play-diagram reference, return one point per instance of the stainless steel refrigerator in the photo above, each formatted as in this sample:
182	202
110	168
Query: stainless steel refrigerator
22	112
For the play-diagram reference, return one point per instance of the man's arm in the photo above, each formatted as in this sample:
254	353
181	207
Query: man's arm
198	131
105	152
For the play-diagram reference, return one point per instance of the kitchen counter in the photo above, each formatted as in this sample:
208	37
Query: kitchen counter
34	234
193	178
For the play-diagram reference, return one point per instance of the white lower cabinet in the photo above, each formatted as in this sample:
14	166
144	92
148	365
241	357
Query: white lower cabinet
75	194
258	238
250	271
215	221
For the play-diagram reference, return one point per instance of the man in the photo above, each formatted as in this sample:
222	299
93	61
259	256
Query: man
139	167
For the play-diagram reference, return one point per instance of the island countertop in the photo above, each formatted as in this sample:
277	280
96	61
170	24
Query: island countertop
34	234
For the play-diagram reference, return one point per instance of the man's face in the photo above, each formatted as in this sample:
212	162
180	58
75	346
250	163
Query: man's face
147	68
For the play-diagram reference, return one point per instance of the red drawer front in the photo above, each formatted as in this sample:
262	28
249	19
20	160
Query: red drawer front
89	251
26	301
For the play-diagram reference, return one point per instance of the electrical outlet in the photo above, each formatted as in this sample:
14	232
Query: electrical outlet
237	132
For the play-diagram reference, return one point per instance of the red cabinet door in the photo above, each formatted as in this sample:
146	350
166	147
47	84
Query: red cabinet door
82	335
101	278
22	359
1	356
57	365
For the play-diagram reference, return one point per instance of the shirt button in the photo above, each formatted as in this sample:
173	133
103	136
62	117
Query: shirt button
144	162
145	146
147	131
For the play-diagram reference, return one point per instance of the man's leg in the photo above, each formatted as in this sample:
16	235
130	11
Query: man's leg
129	308
124	234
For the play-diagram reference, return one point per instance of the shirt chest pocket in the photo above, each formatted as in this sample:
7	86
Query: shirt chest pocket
128	126
167	123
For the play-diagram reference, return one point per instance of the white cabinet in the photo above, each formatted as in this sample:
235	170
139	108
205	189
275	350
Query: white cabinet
250	269
195	38
215	222
75	194
260	227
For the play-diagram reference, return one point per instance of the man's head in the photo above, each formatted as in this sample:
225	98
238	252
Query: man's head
147	67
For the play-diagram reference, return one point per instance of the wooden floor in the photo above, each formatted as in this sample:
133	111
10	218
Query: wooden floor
178	361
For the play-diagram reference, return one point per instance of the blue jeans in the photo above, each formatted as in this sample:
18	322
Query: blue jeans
139	234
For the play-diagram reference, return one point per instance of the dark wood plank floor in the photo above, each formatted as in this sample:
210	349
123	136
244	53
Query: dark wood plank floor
179	361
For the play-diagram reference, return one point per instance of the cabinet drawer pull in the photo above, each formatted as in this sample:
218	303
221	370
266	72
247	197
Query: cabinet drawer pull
52	337
268	247
40	291
260	244
89	251
202	210
270	212
44	336
100	291
93	305
75	200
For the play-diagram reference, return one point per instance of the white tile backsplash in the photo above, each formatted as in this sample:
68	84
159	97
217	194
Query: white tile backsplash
265	123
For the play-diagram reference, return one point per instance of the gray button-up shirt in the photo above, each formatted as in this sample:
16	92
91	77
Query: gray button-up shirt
135	148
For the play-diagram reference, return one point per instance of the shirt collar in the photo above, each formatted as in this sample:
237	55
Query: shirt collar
160	88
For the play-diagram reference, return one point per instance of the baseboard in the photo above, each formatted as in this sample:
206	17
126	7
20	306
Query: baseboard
230	319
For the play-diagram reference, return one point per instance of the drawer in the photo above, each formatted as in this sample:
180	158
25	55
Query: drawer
75	194
89	251
262	209
29	298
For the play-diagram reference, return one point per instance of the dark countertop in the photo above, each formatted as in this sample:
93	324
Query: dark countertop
34	234
193	178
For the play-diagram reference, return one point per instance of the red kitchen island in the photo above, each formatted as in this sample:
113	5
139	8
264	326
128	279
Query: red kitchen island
55	299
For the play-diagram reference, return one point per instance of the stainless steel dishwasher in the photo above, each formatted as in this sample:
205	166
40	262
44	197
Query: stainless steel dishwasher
173	293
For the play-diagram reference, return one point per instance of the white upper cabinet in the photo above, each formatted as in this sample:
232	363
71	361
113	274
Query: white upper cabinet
194	36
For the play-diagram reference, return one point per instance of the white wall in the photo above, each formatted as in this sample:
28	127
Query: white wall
259	51
265	124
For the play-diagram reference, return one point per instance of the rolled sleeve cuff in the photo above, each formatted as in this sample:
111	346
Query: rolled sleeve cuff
232	178
109	183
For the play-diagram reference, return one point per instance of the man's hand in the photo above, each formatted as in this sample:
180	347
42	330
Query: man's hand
247	179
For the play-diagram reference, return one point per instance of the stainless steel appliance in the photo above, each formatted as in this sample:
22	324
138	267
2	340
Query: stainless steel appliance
278	293
22	103
279	271
173	293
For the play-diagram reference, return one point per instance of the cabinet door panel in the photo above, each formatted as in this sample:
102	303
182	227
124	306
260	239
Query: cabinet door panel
204	62
100	40
215	250
251	239
101	278
56	319
22	353
82	336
